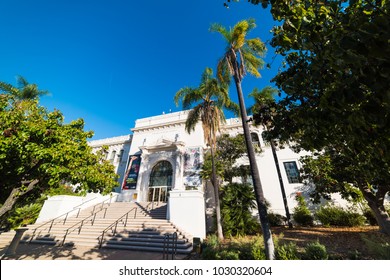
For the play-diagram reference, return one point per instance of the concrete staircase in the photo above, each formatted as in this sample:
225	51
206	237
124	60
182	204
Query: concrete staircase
119	225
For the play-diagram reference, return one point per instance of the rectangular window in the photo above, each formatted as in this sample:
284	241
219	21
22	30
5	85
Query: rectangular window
292	172
120	156
113	153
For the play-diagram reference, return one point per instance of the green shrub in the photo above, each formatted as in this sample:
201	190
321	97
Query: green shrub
25	215
315	251
257	250
302	215
229	255
288	251
236	204
276	220
332	215
210	248
378	247
235	249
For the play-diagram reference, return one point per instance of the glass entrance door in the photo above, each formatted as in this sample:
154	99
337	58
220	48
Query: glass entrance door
158	194
160	182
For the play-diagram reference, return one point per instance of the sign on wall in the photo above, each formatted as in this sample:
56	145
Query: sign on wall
192	166
131	176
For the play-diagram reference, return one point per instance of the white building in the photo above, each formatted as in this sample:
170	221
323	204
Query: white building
162	157
117	153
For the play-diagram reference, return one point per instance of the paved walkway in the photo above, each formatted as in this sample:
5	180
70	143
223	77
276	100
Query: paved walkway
46	252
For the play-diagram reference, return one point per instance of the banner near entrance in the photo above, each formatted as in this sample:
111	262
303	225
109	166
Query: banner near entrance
192	166
131	176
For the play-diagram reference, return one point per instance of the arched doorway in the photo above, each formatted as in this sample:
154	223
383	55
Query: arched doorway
160	181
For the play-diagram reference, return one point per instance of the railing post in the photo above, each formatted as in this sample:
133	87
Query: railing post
93	220
101	240
51	225
78	213
82	223
63	241
32	237
116	224
105	212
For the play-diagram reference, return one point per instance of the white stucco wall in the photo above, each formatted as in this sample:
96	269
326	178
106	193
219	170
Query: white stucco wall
187	212
58	205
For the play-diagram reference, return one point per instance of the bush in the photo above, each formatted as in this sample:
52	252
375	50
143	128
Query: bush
276	220
25	215
236	249
331	215
236	204
229	255
315	251
288	251
302	215
378	247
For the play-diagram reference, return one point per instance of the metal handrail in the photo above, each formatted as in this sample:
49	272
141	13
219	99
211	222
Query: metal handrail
170	242
51	222
102	203
77	207
82	224
115	224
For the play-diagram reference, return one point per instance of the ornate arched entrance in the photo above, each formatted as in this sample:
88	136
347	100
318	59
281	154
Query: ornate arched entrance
160	181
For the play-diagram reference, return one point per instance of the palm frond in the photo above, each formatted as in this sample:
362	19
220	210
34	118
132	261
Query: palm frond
256	46
206	75
239	32
21	81
9	89
188	96
252	63
193	118
226	34
224	71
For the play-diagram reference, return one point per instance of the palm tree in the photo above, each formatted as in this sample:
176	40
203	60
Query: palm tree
24	90
263	114
243	55
207	103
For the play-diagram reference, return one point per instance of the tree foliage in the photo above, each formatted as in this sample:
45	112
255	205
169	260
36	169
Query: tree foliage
337	93
228	150
38	151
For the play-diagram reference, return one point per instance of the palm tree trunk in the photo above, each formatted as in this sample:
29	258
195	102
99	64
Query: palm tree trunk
215	183
268	241
281	184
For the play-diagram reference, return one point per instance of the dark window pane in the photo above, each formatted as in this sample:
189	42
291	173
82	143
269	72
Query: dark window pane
292	172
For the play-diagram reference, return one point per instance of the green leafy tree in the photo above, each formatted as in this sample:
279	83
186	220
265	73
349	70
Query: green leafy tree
229	150
206	104
243	55
38	151
337	92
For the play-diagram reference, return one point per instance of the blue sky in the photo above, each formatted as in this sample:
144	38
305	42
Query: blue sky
111	62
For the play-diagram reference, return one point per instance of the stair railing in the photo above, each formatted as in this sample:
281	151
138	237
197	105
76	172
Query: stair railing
82	223
51	222
102	203
114	225
170	246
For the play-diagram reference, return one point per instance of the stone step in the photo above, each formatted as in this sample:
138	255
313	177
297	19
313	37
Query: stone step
145	232
145	248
